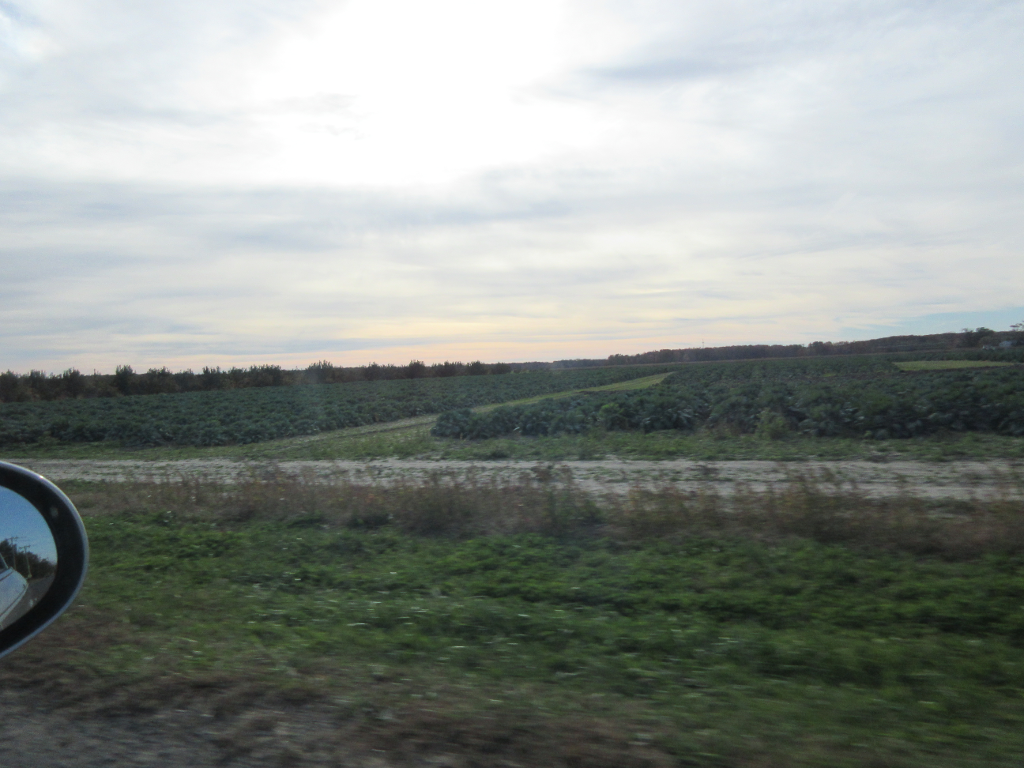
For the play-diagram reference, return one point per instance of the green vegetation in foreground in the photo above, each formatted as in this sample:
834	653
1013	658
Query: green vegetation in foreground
746	651
948	365
713	445
415	441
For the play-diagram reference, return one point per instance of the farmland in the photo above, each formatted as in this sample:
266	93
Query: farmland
248	416
866	397
280	620
837	408
692	610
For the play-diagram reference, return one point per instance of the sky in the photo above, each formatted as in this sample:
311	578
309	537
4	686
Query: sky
219	182
23	524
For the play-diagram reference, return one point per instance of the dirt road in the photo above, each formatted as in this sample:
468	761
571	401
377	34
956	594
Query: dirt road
938	480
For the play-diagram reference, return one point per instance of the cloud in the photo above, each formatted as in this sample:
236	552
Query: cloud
225	184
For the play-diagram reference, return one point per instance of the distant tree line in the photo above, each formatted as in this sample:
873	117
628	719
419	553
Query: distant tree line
938	342
72	383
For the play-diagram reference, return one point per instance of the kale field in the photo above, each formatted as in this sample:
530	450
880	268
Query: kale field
245	416
653	411
866	396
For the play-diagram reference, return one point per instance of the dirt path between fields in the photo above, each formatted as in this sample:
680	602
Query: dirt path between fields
938	480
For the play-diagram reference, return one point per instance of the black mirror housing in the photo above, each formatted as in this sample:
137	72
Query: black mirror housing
44	553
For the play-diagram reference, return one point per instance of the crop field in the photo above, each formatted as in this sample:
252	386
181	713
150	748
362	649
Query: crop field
246	416
847	397
789	410
525	622
948	365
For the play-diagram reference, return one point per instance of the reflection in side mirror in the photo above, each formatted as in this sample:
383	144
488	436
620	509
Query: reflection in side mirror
43	554
28	557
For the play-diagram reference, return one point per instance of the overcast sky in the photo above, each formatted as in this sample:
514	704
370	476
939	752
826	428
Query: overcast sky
219	182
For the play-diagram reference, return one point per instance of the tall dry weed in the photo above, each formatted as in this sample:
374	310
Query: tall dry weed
548	501
444	503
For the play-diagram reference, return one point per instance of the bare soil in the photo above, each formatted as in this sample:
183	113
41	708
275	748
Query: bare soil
265	736
930	480
53	716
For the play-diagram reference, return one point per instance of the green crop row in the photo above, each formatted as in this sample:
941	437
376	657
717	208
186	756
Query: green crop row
865	396
255	415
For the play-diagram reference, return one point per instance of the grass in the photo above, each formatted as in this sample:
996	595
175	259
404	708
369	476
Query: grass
712	445
626	386
621	386
948	365
411	439
793	628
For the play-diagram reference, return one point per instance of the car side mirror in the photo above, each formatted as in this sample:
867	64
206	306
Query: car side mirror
43	554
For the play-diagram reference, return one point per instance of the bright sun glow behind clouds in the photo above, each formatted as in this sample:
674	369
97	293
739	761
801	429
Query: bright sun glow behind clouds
400	92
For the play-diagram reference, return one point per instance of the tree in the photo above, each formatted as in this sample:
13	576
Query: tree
446	369
969	338
11	389
123	379
265	376
321	372
73	383
211	378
